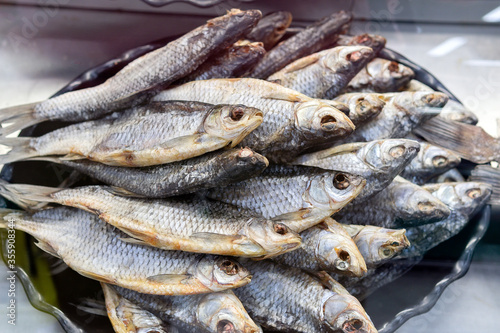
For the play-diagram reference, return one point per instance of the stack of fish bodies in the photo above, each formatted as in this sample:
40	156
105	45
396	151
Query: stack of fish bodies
323	128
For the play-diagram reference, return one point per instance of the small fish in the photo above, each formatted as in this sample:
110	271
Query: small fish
402	113
217	168
381	76
297	196
489	175
315	37
270	28
326	246
126	317
430	161
463	200
286	299
468	141
450	176
362	107
401	204
377	245
375	42
233	62
292	123
192	225
154	134
139	79
377	161
218	312
95	250
323	74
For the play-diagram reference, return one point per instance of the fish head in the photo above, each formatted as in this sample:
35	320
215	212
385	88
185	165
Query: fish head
235	22
414	203
316	119
232	122
332	190
365	106
387	243
272	237
391	72
388	155
342	312
465	197
376	42
420	105
339	252
457	112
275	27
346	58
222	312
219	273
237	164
435	159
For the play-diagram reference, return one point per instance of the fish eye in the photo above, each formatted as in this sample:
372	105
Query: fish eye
473	193
280	229
225	326
393	67
387	252
341	181
438	161
353	325
397	151
229	267
237	114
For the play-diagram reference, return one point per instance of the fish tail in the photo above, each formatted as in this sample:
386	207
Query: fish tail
17	117
28	197
21	149
4	217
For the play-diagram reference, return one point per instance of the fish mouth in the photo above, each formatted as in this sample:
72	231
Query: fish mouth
337	127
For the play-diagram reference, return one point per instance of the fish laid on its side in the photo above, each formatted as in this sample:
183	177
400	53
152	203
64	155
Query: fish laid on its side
401	204
139	79
158	133
326	246
323	74
95	249
292	122
192	225
217	168
218	312
270	28
377	161
298	196
315	37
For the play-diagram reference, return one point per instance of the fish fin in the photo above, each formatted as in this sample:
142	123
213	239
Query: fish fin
302	63
285	96
95	276
123	192
4	212
53	159
47	248
219	238
293	216
489	175
277	81
342	149
28	197
170	278
21	149
132	240
19	117
71	157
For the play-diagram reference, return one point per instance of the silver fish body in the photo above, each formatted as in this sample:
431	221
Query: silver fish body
430	161
323	74
95	249
286	299
326	247
401	204
292	122
217	312
297	196
376	161
381	76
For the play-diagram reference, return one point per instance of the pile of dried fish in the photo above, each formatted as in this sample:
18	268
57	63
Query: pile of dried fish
318	127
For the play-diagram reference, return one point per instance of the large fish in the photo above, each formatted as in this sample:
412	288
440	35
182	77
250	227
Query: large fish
298	196
270	28
401	204
377	161
292	123
286	299
149	135
96	250
218	312
323	74
136	81
326	246
315	37
217	168
192	225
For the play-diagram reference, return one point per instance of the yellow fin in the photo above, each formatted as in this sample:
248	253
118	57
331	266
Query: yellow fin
293	216
286	96
71	157
95	276
218	238
132	240
172	279
302	63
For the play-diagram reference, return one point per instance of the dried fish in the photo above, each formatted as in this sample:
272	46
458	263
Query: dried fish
362	107
139	79
95	249
450	176
155	134
375	42
489	175
270	28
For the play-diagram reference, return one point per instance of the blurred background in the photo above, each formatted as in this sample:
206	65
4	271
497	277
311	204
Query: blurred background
44	44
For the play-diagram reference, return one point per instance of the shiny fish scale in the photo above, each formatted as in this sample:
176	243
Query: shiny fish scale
159	67
66	229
